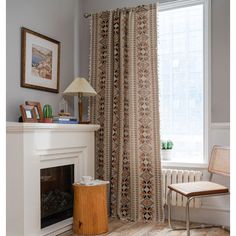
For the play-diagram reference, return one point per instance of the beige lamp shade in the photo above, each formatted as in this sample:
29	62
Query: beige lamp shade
80	85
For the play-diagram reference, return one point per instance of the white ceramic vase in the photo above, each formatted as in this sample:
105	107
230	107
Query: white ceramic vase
166	154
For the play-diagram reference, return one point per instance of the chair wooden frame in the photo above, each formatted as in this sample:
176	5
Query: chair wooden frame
189	198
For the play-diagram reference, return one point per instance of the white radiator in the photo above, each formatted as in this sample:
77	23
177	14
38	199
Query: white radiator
172	176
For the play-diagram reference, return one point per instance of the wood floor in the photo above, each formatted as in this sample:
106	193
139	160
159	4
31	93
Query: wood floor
121	228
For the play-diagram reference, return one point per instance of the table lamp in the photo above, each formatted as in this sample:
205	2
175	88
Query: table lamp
80	87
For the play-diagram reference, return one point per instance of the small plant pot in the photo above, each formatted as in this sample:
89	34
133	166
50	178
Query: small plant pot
166	154
47	120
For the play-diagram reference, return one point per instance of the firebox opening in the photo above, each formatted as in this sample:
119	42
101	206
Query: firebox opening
56	194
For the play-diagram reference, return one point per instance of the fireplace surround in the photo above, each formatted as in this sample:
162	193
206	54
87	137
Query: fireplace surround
32	150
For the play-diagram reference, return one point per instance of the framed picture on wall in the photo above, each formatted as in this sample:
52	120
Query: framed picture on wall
40	61
28	113
37	108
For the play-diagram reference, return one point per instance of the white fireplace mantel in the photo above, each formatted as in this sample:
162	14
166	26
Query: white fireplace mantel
31	147
31	127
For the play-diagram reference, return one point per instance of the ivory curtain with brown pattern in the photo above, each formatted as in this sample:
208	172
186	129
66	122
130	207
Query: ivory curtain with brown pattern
123	71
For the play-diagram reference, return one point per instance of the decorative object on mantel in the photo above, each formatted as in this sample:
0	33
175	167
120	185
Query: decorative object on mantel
28	113
64	114
63	106
81	87
47	113
65	120
166	149
37	108
40	61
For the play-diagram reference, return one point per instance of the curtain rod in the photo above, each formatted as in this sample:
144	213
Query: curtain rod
165	5
87	15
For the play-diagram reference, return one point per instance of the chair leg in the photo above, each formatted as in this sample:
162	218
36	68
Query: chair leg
169	209
187	228
188	217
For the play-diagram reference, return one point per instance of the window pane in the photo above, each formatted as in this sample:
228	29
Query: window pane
181	81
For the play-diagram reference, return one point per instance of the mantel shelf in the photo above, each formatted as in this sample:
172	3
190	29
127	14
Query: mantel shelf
31	127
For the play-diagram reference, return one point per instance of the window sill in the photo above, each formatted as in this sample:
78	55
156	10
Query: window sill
172	164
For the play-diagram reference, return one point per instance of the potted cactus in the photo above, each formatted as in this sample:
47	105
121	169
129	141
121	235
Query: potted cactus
166	149
47	113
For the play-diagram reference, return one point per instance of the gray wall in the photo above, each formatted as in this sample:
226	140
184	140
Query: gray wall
55	19
220	60
220	87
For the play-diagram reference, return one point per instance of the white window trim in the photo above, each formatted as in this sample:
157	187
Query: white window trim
206	76
171	164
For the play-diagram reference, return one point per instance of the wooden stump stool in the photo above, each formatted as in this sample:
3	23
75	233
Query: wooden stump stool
90	209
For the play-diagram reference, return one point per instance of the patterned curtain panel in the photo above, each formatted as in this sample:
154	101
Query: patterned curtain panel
123	71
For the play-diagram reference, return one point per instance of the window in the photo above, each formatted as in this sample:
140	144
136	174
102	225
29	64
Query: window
182	80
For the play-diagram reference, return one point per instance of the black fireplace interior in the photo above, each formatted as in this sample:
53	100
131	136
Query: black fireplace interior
56	194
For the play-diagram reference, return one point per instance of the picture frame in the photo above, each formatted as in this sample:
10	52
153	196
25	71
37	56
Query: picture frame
40	61
37	108
28	113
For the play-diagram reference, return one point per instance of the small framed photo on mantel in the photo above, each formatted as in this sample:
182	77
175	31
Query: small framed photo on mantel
37	108
40	61
28	113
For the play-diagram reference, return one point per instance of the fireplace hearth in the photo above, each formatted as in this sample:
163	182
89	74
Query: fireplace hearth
56	194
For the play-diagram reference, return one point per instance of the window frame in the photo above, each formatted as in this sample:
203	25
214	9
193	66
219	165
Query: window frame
206	77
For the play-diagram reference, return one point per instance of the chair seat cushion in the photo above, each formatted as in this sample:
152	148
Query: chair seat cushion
193	189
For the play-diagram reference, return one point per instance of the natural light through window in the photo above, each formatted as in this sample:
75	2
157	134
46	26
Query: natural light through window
181	81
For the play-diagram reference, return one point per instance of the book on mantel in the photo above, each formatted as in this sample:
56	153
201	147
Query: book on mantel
65	120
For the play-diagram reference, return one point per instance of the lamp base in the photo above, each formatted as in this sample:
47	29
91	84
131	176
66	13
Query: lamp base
80	108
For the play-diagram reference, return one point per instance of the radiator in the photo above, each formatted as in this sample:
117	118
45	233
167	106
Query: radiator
171	176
